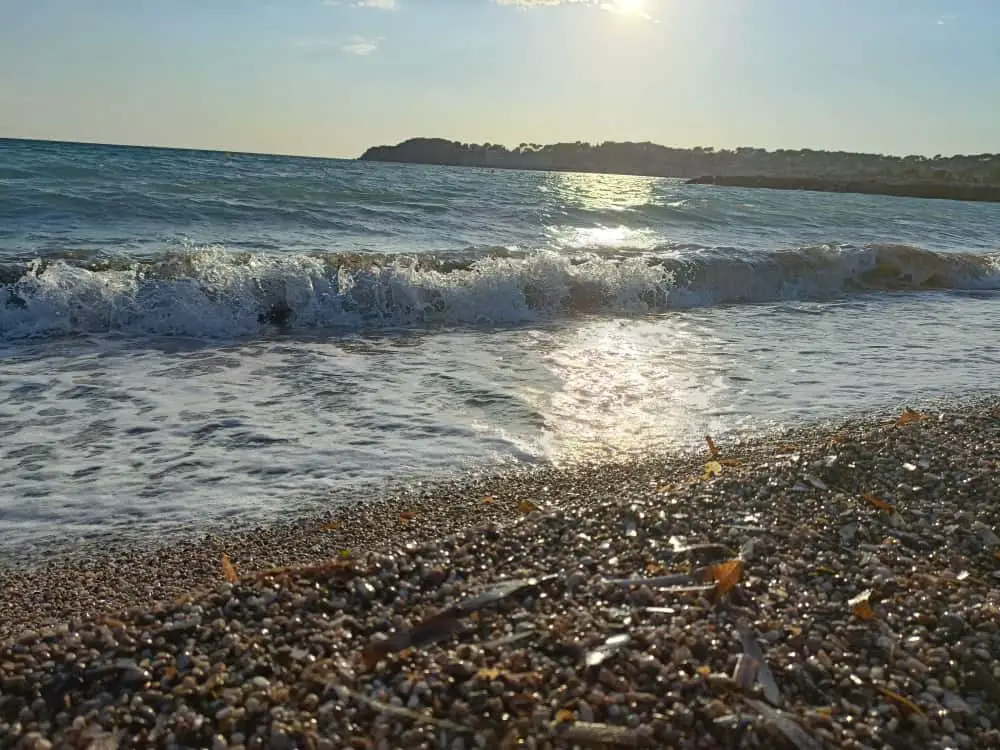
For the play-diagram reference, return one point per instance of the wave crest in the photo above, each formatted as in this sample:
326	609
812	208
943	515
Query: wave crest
215	293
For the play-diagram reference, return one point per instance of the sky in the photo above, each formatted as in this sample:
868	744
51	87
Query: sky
333	77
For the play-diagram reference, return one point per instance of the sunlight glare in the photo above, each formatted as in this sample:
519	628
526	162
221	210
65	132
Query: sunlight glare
629	7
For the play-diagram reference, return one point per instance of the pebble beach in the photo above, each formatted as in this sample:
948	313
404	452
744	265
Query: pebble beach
831	587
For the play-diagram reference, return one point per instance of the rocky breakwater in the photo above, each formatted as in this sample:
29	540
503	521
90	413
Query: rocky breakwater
833	588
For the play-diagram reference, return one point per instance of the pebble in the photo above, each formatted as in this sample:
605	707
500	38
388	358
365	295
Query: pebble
470	624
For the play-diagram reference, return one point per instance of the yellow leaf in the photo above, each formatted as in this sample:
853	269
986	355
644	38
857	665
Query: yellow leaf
704	670
712	448
878	503
228	571
726	575
908	416
565	716
526	506
344	554
861	607
712	469
487	500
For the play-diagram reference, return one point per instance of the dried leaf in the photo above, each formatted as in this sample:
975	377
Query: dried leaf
331	526
877	502
905	705
492	673
228	571
861	606
712	448
564	716
909	415
487	500
407	515
729	461
712	469
726	575
526	506
997	554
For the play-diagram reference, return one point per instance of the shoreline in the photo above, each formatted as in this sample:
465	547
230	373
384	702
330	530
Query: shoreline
383	642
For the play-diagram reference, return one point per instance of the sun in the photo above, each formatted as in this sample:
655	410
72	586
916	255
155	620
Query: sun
629	7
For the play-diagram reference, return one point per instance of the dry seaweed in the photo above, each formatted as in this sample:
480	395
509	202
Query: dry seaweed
597	656
398	712
905	705
589	733
763	673
447	623
784	723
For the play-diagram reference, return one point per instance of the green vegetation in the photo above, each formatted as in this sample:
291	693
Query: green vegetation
661	161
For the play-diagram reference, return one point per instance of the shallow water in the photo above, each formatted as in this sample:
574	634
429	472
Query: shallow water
191	339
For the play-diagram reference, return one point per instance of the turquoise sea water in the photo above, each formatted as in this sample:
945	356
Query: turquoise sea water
193	338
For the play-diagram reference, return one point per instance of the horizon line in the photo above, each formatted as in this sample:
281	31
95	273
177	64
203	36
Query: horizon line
239	152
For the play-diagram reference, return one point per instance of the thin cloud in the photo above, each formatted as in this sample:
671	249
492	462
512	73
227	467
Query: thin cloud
377	4
610	6
361	45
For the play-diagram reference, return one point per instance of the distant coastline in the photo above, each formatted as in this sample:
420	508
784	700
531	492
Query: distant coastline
974	177
924	189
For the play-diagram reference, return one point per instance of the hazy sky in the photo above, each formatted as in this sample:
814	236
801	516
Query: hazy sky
333	77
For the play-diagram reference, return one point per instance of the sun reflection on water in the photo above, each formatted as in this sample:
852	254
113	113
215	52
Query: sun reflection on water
630	388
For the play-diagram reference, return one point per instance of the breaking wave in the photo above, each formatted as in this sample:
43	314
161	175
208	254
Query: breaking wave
216	293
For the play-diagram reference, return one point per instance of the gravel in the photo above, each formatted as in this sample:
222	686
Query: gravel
826	588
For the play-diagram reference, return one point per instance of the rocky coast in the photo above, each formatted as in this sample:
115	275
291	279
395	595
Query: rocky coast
835	586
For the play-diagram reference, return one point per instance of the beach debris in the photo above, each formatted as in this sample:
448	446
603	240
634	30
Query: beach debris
228	571
407	515
763	672
712	469
447	623
487	500
904	704
590	733
526	506
596	657
784	723
908	416
877	502
702	552
713	449
726	575
745	672
399	712
861	605
816	482
331	526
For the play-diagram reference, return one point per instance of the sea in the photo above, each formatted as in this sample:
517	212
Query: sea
193	341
